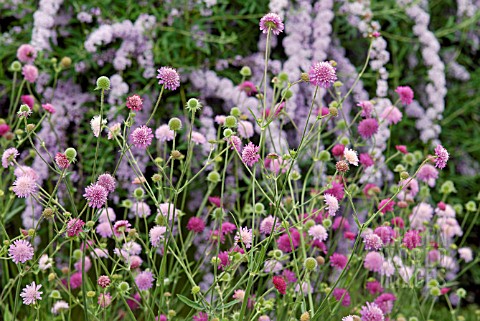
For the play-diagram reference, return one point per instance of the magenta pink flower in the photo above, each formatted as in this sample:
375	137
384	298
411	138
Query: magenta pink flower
288	243
402	149
134	102
271	21
428	174
144	280
367	108
28	100
4	128
76	280
228	227
196	224
338	261
392	115
412	239
26	53
371	312
368	127
280	284
20	251
374	287
24	186
366	160
96	195
385	233
49	108
169	78
322	74
373	261
30	73
338	293
250	154
31	294
336	190
244	236
338	150
121	227
266	226
104	299
107	181
103	281
235	142
249	88
385	302
405	93
141	137
442	157
201	316
74	227
373	242
386	205
61	160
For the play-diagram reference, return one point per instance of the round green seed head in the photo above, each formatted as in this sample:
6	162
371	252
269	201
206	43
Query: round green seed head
138	193
175	124
227	132
471	206
324	156
344	141
259	208
193	105
103	83
310	263
124	286
230	122
327	223
77	254
71	154
287	94
16	66
235	111
91	294
213	177
246	71
195	289
435	291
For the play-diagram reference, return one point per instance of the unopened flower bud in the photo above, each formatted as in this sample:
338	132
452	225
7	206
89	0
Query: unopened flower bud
320	260
175	124
333	111
30	128
175	154
71	154
305	77
193	105
66	62
305	316
404	175
195	290
156	178
310	263
342	166
51	277
213	177
230	122
16	66
48	212
246	71
103	83
91	294
235	111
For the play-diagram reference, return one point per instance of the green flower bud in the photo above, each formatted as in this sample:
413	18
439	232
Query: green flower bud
193	105
337	84
341	124
90	224
66	62
213	177
156	178
287	94
217	213
124	287
399	168
230	122
435	291
77	254
259	208
309	224
294	175
55	294
344	141
461	293
227	132
404	175
235	111
91	294
103	83
410	159
216	260
458	208
283	76
138	193
334	112
324	156
71	154
471	206
246	71
127	203
310	263
175	124
277	254
195	290
433	283
424	192
16	66
305	77
327	223
447	188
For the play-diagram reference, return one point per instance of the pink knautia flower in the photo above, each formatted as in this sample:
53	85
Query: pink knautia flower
442	157
168	210
332	204
24	186
271	21
107	181
9	155
198	138
113	130
161	317
196	224
44	263
402	149
373	242
224	260
132	248
239	295
96	124
374	287
351	156
280	284
134	302
412	239
121	227
449	228
266	226
74	227
272	266
49	108
104	229
385	233
318	232
338	150
368	127
134	102
322	74
367	108
466	254
164	133
398	222
371	312
288	243
220	119
79	264
134	262
385	302
144	280
141	137
28	100
366	160
245	129
156	235
103	281
169	78
4	128
24	111
201	316
349	318
373	261
76	280
250	154
422	213
20	251
60	306
392	115
338	293
25	170
96	195
336	190
386	205
62	161
248	87
140	209
235	143
405	93
104	300
338	261
227	228
215	200
445	210
26	53
30	73
428	174
245	236
31	293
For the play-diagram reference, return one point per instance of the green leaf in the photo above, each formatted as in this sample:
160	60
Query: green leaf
190	303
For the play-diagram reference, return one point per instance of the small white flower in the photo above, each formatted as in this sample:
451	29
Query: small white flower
351	156
96	125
